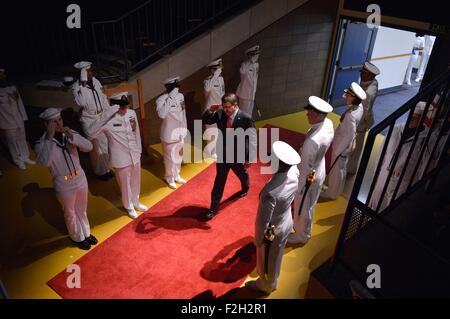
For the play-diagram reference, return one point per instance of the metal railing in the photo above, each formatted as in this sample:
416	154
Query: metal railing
412	155
154	29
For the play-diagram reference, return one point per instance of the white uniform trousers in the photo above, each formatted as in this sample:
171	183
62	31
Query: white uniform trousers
99	155
269	281
247	106
353	161
336	177
16	141
129	180
173	154
303	222
74	204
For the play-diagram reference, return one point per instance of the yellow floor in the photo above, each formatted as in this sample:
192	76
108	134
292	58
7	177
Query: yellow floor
34	246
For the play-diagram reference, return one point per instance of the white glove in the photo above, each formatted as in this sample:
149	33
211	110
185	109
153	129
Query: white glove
217	72
83	75
174	93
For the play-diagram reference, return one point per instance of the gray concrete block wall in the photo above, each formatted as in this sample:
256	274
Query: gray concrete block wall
294	52
293	59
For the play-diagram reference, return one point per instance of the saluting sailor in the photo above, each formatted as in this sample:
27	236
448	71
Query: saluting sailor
58	150
370	86
312	168
88	94
249	79
214	90
274	220
344	140
171	109
121	127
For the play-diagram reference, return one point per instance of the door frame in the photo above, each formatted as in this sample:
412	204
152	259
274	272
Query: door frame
333	66
386	21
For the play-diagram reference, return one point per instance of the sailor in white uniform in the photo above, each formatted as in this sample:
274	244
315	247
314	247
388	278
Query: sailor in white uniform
403	149
88	94
370	86
246	89
344	141
417	49
12	127
121	127
312	168
58	150
214	90
274	220
171	109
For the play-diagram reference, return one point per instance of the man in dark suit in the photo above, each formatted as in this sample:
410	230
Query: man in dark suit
236	147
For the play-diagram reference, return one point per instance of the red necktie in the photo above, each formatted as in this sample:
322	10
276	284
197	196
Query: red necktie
229	122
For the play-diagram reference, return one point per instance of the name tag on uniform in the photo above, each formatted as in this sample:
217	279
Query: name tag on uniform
117	124
173	106
216	86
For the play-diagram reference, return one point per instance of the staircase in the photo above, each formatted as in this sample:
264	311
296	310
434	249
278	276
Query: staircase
153	30
409	239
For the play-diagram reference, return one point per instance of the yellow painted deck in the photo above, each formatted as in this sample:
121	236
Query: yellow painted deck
34	245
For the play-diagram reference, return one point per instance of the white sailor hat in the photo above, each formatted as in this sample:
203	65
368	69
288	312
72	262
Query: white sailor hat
68	79
2	70
50	113
356	90
82	65
253	50
420	107
118	96
285	153
215	63
318	104
171	80
372	68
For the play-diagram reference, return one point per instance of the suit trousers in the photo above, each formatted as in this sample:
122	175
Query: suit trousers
222	170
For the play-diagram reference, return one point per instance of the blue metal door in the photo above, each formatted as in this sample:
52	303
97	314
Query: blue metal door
355	48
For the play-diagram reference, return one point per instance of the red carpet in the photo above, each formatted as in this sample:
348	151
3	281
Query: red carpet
295	140
169	252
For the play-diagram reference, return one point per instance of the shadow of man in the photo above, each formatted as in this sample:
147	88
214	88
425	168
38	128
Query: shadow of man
187	217
234	262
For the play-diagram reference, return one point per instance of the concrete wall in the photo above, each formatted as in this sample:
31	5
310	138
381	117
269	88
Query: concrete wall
293	59
295	38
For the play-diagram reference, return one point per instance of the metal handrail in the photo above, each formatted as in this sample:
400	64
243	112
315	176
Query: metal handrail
121	32
429	92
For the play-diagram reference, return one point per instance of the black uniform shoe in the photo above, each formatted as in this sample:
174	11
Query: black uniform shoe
83	245
91	240
243	193
210	214
104	177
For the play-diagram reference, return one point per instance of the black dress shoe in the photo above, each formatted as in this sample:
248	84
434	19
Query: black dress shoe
83	245
104	177
243	193
91	240
210	214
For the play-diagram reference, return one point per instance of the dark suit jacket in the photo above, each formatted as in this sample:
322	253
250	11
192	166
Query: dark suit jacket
241	120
